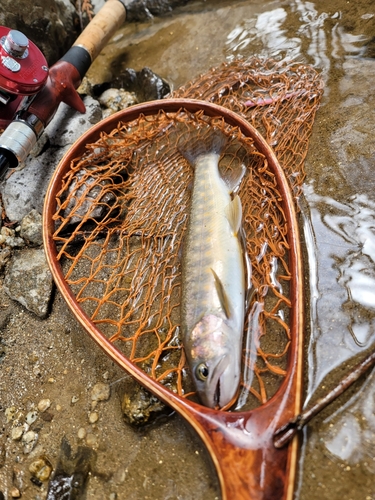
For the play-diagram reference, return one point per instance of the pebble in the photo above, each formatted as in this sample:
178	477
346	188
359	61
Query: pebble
93	417
91	439
74	399
29	439
100	392
41	469
81	433
115	100
10	413
16	433
15	493
31	228
31	417
44	404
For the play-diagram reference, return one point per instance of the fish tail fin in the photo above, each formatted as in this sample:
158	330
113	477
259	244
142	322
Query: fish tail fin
202	142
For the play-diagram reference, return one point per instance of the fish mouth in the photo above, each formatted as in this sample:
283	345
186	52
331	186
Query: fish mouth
217	383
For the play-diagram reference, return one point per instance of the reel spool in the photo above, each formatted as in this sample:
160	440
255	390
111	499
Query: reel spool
23	73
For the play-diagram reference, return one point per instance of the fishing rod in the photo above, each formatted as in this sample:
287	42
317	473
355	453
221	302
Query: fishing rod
30	92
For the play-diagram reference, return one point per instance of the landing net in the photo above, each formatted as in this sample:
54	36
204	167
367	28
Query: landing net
122	211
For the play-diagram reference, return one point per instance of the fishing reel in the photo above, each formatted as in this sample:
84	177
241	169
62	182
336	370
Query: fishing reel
30	92
23	73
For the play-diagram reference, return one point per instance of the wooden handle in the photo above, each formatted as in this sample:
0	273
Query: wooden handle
98	32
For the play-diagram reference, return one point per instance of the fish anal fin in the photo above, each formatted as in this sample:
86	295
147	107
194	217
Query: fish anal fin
233	212
223	297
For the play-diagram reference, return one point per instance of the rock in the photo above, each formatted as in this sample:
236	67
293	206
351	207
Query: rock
29	281
139	406
25	188
91	440
8	237
81	434
68	125
16	433
115	100
93	417
29	440
41	469
31	228
145	84
31	417
10	413
15	493
5	254
51	24
44	404
100	392
144	10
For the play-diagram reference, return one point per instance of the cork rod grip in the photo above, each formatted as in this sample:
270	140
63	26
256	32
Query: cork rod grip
98	32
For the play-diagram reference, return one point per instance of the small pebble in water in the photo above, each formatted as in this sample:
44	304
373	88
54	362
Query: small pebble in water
93	417
40	469
31	417
29	439
15	493
100	392
16	433
44	404
81	433
10	413
91	439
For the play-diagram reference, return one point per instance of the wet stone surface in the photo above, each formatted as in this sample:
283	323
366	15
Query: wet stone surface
29	280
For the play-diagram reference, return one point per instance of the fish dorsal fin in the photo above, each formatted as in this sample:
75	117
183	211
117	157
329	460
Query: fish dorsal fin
233	212
223	297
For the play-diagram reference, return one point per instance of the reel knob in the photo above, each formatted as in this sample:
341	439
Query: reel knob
23	67
16	44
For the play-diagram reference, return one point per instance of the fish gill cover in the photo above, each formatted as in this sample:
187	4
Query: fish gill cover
123	207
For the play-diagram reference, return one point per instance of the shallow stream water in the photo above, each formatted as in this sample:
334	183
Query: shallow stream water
337	210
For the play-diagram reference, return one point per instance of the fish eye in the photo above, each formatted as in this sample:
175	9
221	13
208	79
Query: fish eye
202	371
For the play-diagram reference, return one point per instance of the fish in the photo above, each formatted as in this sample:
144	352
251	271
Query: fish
213	286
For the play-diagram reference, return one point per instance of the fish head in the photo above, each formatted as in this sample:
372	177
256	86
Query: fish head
215	361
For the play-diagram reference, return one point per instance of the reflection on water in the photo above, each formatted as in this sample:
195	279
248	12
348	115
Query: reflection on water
344	247
349	433
318	38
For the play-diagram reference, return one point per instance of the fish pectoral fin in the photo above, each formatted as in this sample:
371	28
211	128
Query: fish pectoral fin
233	212
234	177
223	297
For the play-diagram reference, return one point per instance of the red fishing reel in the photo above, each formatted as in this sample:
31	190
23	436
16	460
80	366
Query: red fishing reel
23	73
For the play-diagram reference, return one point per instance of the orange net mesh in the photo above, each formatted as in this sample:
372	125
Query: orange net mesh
123	207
